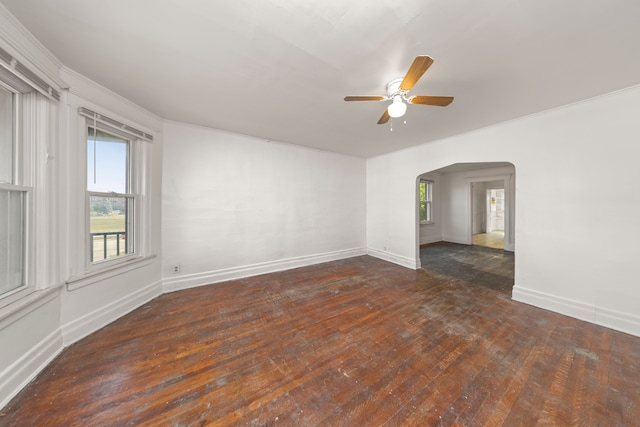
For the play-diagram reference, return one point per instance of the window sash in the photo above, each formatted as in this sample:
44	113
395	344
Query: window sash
107	243
425	205
7	135
92	138
14	198
13	231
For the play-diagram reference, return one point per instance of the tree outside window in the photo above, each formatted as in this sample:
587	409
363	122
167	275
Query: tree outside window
426	199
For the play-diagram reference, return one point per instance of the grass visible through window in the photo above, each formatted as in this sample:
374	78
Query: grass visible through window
108	223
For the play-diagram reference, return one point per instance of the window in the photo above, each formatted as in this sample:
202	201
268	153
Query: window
13	199
111	195
28	138
426	199
116	206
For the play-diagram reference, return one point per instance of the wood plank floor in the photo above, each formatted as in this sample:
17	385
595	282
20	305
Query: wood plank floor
358	342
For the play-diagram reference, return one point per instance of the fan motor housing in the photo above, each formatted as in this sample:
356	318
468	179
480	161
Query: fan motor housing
393	87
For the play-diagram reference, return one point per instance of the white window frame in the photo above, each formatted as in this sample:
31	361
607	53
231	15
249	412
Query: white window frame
130	194
428	202
20	176
139	152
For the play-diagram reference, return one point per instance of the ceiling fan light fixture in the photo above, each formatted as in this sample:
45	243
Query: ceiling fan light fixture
397	92
397	108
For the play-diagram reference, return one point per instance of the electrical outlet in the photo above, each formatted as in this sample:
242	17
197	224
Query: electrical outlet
176	269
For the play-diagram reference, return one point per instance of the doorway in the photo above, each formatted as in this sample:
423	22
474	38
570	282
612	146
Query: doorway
495	210
455	209
488	214
493	235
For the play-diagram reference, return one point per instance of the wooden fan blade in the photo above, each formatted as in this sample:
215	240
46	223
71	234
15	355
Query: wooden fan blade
365	98
417	69
384	118
438	101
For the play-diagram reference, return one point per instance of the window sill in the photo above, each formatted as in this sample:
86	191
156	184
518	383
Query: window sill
106	273
427	222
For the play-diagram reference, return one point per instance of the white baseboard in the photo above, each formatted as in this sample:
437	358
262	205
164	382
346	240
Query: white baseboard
91	322
23	370
170	284
430	239
566	306
457	239
411	263
620	321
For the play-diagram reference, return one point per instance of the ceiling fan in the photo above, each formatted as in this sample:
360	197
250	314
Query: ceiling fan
397	90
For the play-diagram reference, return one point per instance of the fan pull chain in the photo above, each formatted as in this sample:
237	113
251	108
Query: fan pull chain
391	124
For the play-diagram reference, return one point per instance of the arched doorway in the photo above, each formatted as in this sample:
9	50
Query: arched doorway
466	200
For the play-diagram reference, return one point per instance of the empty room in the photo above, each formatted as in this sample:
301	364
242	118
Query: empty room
319	213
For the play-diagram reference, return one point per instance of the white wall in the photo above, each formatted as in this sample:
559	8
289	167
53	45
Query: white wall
583	159
235	206
479	207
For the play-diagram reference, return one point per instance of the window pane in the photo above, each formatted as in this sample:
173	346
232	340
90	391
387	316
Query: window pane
6	136
426	198
109	224
12	233
107	162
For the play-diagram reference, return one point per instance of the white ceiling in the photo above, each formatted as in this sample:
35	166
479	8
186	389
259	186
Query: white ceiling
279	69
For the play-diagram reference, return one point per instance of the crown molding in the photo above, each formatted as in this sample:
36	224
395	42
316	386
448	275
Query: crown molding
27	49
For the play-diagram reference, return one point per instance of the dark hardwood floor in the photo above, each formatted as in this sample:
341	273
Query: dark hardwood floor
358	342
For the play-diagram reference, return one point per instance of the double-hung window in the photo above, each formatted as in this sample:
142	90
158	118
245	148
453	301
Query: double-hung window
426	201
28	114
13	197
115	166
111	196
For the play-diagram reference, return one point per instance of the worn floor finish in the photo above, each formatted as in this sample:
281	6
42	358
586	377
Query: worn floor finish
358	342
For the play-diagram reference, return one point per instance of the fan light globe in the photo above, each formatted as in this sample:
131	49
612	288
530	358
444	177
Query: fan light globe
397	108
